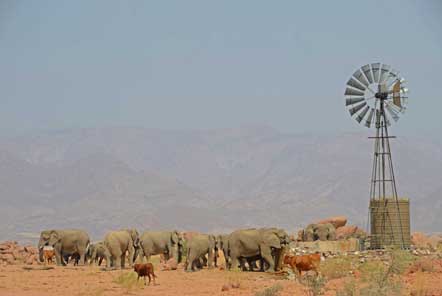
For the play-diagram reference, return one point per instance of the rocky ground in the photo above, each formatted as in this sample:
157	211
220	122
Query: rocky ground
342	275
416	272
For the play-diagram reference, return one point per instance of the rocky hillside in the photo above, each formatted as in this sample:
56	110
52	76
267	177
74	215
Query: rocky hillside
215	180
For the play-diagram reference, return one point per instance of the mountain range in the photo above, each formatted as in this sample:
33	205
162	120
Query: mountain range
204	180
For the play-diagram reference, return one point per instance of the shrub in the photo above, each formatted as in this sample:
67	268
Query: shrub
270	291
314	284
335	268
380	279
349	289
128	281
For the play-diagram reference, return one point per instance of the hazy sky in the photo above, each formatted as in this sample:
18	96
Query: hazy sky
208	64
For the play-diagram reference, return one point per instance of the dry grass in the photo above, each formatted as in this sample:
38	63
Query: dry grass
335	268
129	281
270	291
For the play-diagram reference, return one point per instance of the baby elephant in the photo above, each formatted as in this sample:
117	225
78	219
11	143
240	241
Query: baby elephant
143	270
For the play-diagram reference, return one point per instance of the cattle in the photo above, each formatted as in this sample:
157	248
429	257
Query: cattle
143	270
303	262
48	256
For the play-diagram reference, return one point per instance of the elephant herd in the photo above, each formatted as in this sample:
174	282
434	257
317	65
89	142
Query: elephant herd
261	248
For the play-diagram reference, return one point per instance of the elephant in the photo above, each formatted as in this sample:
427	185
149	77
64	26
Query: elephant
97	252
265	242
309	233
169	243
65	243
321	232
118	243
325	232
197	248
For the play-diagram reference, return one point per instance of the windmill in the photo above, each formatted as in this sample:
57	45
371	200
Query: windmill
376	96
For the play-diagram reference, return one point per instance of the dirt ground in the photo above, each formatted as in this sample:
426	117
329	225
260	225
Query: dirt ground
15	280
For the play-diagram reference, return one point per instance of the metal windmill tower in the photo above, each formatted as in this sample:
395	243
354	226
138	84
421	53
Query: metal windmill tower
375	95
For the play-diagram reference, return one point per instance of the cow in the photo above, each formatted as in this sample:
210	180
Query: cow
143	270
48	256
303	262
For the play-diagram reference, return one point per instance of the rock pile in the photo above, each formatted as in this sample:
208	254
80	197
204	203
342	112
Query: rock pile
337	221
348	231
12	253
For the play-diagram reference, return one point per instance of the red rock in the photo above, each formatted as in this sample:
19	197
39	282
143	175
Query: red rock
337	221
225	287
348	231
8	258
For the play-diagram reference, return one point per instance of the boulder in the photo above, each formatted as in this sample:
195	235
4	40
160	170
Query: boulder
422	241
8	258
338	221
348	231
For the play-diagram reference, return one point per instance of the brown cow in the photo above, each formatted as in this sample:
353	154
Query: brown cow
303	263
48	255
143	270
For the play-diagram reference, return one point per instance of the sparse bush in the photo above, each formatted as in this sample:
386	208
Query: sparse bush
335	268
128	281
379	278
314	284
423	265
400	261
270	291
349	289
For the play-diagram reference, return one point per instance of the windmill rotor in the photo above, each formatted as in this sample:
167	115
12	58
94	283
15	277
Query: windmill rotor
371	86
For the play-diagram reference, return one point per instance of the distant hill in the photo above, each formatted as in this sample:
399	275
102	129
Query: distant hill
215	180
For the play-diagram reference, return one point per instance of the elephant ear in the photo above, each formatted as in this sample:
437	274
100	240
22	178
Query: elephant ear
54	237
174	237
272	240
135	237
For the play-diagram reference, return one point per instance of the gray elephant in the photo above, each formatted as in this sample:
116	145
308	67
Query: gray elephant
97	252
69	242
309	233
321	232
325	232
118	243
161	242
222	244
197	248
265	242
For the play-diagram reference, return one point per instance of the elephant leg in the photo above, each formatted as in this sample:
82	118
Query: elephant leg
267	256
210	259
117	261
131	256
123	260
234	260
58	258
100	260
82	259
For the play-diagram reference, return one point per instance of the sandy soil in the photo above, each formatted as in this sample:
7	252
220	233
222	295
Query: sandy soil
14	280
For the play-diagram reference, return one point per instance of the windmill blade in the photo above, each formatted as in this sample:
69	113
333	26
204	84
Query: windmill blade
376	67
357	108
367	72
384	73
356	84
361	115
353	92
393	113
359	76
352	101
397	94
369	120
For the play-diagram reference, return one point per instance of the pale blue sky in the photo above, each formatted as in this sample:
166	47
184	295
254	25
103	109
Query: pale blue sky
209	64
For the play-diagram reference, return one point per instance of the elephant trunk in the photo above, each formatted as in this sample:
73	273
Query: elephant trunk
40	254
